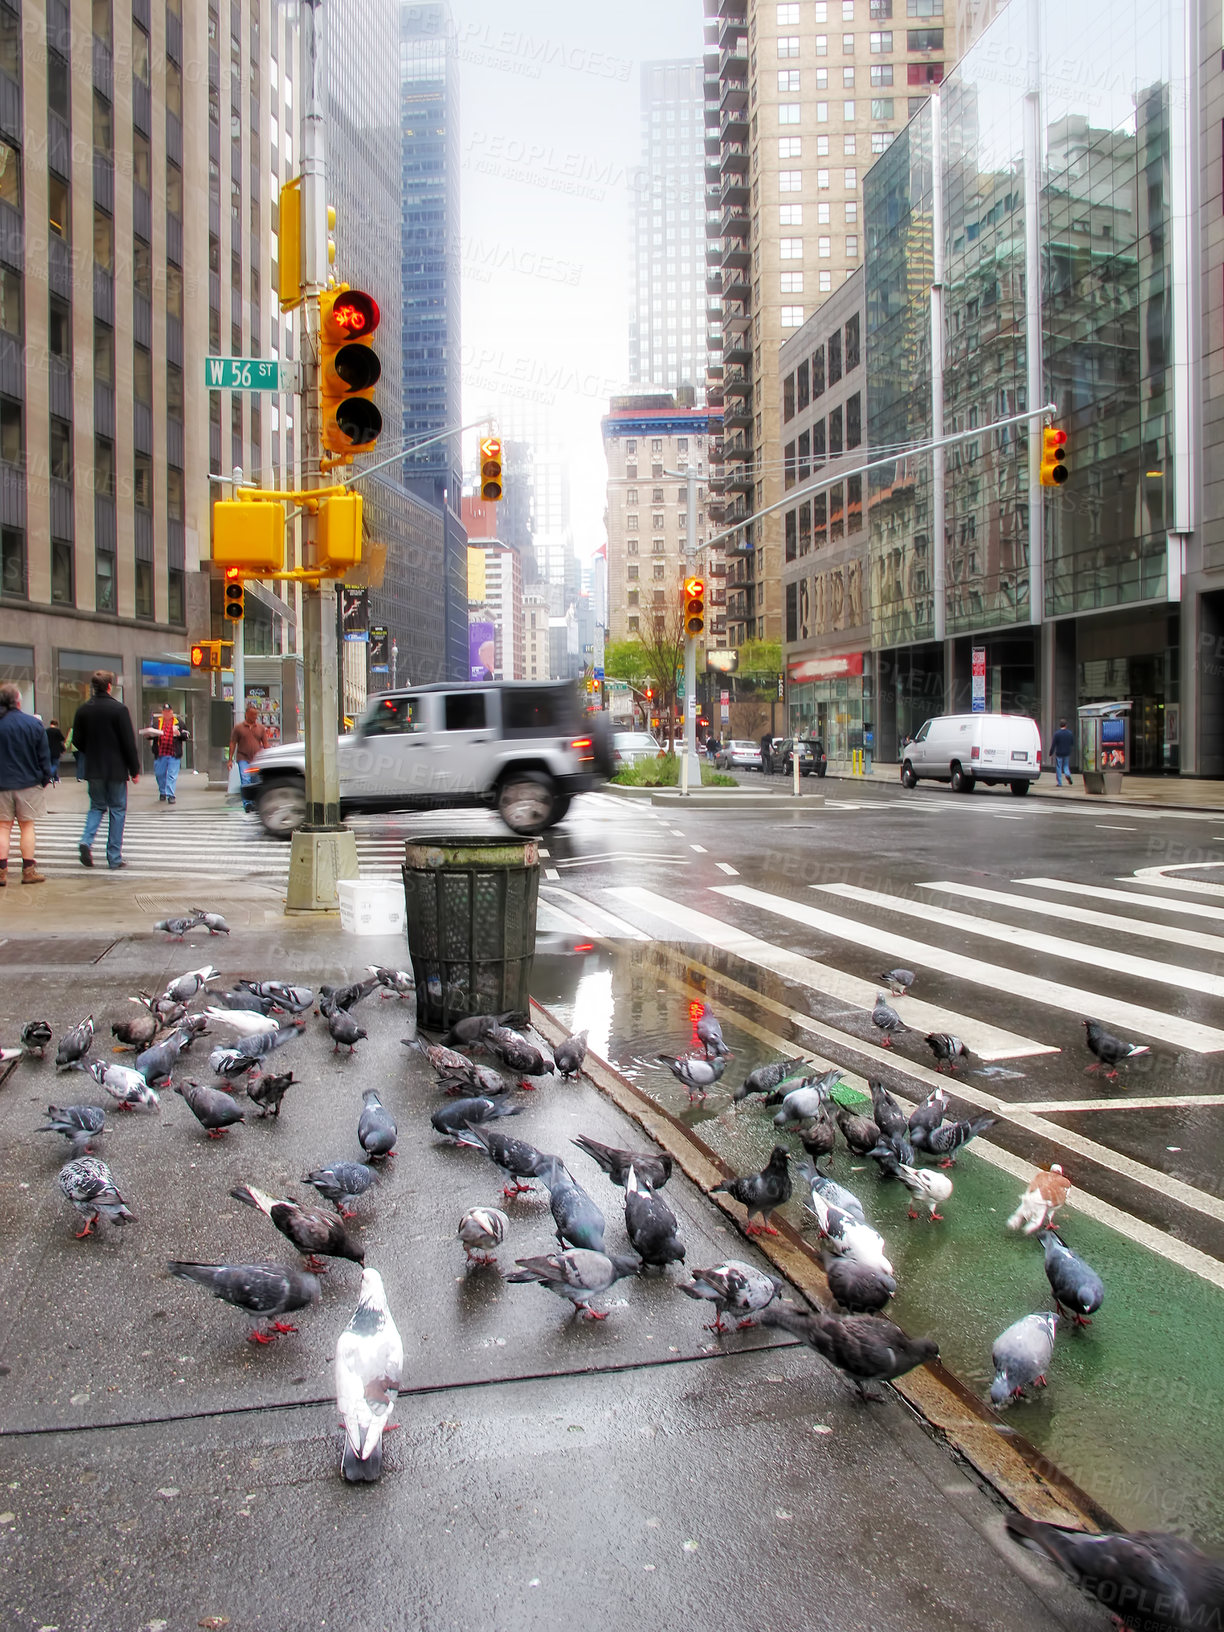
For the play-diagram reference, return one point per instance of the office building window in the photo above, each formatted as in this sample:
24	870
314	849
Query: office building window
61	572
822	45
58	94
788	45
802	394
59	203
822	113
847	79
854	421
790	181
60	449
851	214
804	455
788	14
104	354
923	73
824	248
10	175
852	342
823	216
835	432
10	43
790	215
59	329
881	10
788	397
788	113
881	42
142	375
176	602
881	78
142	481
13	563
822	147
788	81
791	535
881	108
104	467
826	282
660	571
791	283
144	590
848	111
835	362
852	247
822	79
881	139
790	147
792	317
788	465
12	319
924	8
818	372
850	179
105	598
790	249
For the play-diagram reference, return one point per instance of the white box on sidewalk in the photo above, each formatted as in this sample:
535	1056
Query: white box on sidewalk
369	907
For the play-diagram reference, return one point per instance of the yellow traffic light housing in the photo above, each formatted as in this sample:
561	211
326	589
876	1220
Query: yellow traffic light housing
249	535
234	595
338	537
491	468
349	369
289	245
694	606
1054	470
209	654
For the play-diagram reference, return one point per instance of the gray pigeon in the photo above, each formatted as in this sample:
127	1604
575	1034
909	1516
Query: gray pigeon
570	1054
767	1077
243	1000
949	1137
454	1120
577	1275
212	1108
88	1184
472	1029
1078	1289
268	1290
126	1087
314	1233
156	1063
340	1182
577	1217
376	1131
517	1159
74	1045
926	1117
79	1124
709	1033
482	1230
297	999
342	1028
177	927
650	1224
332	998
268	1091
736	1286
519	1054
761	1192
898	981
1021	1356
803	1104
887	1021
394	982
947	1049
868	1348
832	1193
653	1169
1110	1051
860	1289
235	1062
35	1035
213	922
889	1117
860	1132
369	1366
186	986
697	1074
445	1061
819	1138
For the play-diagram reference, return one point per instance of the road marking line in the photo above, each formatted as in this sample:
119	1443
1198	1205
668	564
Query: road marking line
700	849
551	873
987	1041
1153	1102
546	853
725	867
620	929
553	918
1095	892
1180	1033
1156	878
1176	934
1115	827
1033	940
621	855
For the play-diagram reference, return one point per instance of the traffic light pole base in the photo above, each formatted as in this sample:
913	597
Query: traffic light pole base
318	860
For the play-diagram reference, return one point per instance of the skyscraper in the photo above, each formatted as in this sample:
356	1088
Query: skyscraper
667	340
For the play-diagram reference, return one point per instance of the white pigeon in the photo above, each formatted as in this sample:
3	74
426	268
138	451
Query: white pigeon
369	1365
924	1184
861	1244
484	1228
186	986
126	1087
246	1022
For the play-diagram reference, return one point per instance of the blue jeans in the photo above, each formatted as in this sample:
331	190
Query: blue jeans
1062	767
107	797
246	777
166	769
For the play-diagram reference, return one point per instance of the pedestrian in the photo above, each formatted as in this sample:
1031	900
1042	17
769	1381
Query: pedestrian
102	731
767	754
1061	745
55	747
25	770
168	735
246	740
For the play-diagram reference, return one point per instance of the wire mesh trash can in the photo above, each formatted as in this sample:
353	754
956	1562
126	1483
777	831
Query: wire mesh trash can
471	920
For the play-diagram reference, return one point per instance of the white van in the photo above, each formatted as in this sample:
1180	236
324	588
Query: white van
965	749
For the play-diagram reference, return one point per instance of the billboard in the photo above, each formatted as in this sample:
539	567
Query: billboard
380	645
482	651
355	613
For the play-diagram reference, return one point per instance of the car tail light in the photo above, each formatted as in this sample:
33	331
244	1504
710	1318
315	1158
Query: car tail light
975	753
583	747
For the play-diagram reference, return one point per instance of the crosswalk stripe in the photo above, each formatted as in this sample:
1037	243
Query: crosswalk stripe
987	1041
618	928
1132	898
1176	934
1033	940
1168	1028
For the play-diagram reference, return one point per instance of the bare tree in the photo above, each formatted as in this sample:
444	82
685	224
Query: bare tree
662	637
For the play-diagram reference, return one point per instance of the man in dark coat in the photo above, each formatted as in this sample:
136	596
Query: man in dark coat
25	770
102	731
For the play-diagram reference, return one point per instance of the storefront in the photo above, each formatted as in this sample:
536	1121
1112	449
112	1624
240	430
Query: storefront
73	671
829	697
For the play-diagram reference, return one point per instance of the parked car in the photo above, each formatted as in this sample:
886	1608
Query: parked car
812	757
738	756
521	748
630	746
965	749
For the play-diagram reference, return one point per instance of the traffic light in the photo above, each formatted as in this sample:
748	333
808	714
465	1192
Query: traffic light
349	370
338	537
289	245
235	595
206	654
491	468
1054	470
694	606
249	534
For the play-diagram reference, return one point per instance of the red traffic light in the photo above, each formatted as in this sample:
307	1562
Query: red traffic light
355	313
1057	439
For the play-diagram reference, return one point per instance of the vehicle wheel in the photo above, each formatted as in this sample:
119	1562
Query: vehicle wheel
282	808
822	770
962	782
1021	788
561	809
908	779
527	802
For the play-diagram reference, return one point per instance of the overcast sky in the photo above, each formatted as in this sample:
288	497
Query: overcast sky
550	136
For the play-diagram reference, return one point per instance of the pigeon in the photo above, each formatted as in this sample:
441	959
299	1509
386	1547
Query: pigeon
1021	1356
924	1184
860	1289
268	1091
696	1073
297	999
90	1187
1110	1051
340	1182
213	922
332	998
898	981
246	1022
653	1229
482	1079
578	1275
395	982
126	1087
213	1108
858	1242
819	1137
1077	1287
889	1117
342	1028
186	986
709	1033
178	927
925	1117
889	1150
314	1233
156	1063
736	1286
376	1127
235	1062
860	1132
761	1192
887	1021
74	1045
802	1104
455	1119
445	1061
945	1140
369	1365
652	1169
517	1159
79	1124
35	1035
193	1026
167	1011
577	1217
868	1348
1157	1582
947	1049
767	1077
248	1001
1045	1194
138	1032
267	1290
570	1054
518	1053
472	1029
483	1228
832	1193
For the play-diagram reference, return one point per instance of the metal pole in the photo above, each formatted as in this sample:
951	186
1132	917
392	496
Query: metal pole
1034	370
238	652
938	508
692	765
394	663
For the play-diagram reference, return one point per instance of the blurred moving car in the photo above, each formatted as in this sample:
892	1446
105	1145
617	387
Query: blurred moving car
812	757
738	756
630	746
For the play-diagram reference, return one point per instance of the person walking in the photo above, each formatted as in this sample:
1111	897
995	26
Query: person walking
25	770
168	736
55	747
102	731
246	740
1062	743
767	754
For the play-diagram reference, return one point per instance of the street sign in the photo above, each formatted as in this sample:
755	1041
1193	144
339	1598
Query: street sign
680	687
599	674
782	685
241	374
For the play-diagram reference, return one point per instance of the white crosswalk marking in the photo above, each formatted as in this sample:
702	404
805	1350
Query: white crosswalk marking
1132	898
1175	934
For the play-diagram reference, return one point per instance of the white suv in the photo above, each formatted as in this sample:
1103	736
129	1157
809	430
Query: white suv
521	748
